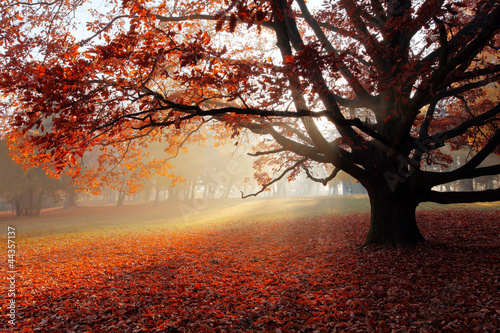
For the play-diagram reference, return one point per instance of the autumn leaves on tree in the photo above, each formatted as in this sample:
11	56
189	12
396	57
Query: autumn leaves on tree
372	88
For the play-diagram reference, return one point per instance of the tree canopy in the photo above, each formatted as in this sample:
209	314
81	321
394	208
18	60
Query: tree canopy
372	88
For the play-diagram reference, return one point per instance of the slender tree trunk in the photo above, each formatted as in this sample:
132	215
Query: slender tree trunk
335	189
121	198
157	196
192	192
70	199
392	222
38	205
173	194
346	188
30	202
227	191
17	203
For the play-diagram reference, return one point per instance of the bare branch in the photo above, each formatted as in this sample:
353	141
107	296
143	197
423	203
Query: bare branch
270	152
323	181
122	157
436	178
42	3
194	111
265	186
185	140
462	197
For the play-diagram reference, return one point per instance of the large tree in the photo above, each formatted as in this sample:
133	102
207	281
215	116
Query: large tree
373	88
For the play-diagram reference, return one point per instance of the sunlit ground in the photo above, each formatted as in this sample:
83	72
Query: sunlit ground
191	214
101	217
253	265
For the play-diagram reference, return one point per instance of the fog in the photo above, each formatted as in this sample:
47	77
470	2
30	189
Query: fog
199	173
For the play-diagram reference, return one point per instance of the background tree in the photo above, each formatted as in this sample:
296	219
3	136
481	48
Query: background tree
123	167
26	190
370	88
347	183
70	191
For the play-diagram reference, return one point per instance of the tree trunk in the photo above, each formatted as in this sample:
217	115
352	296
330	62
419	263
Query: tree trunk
227	191
192	192
121	198
392	222
173	194
38	205
18	205
70	199
157	196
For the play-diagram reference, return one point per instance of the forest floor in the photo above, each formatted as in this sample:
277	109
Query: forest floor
273	265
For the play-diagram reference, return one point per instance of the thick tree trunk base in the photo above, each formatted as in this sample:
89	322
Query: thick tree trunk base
393	223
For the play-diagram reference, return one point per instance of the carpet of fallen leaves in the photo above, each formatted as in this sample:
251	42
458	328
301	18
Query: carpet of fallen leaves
283	275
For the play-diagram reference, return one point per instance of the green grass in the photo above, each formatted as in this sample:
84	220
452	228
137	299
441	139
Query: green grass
193	215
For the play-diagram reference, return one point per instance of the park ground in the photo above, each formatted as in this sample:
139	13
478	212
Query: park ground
274	265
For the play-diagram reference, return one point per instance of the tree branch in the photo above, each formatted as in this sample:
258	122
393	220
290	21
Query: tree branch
310	152
462	89
431	179
456	43
205	17
292	130
106	27
335	117
270	152
464	55
42	3
462	197
323	181
476	121
359	90
424	128
476	73
474	162
265	186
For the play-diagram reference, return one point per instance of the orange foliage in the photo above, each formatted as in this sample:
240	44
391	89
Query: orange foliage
276	276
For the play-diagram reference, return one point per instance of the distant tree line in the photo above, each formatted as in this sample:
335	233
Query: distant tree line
28	191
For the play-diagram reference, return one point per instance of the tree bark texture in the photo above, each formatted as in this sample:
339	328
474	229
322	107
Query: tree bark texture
393	222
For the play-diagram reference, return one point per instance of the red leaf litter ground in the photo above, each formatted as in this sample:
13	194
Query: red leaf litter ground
282	275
